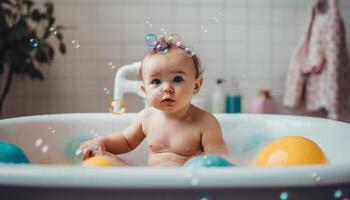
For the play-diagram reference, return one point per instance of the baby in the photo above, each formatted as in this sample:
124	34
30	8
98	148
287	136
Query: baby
175	129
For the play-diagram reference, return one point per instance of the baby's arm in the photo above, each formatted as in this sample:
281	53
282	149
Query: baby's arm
212	139
116	143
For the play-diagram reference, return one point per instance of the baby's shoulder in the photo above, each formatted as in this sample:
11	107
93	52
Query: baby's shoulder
146	113
205	117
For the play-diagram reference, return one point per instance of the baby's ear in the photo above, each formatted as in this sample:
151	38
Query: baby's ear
198	85
142	86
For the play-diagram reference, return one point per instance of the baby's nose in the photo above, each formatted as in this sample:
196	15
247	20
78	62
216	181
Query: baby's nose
168	89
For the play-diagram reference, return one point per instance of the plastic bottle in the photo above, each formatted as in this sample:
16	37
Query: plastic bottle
218	99
263	103
234	98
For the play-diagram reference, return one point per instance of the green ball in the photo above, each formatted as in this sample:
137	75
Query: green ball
205	161
10	153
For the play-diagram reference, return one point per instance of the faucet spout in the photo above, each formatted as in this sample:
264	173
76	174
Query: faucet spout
123	85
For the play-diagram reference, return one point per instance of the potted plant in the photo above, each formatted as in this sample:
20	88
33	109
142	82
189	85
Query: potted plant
25	29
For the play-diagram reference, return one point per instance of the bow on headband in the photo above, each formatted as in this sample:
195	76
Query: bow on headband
161	44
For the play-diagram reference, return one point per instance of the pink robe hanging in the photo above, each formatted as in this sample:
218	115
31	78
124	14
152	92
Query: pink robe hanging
319	72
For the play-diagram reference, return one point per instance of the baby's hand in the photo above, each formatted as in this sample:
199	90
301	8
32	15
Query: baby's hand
92	148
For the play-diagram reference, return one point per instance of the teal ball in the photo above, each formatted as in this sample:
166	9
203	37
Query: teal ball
10	153
205	161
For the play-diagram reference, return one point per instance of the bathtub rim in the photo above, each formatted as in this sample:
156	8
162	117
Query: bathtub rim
156	177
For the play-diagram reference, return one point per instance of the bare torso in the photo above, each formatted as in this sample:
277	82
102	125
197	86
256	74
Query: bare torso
172	142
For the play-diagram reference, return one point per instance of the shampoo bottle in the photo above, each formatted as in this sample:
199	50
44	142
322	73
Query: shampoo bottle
233	99
218	99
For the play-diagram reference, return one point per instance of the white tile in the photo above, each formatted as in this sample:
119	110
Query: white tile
259	34
188	32
260	15
81	104
134	13
60	105
236	15
61	89
260	70
236	52
185	14
211	51
284	16
87	88
260	53
284	4
284	35
236	33
100	32
211	32
36	106
161	13
98	13
133	33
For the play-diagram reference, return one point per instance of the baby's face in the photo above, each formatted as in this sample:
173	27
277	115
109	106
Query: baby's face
169	80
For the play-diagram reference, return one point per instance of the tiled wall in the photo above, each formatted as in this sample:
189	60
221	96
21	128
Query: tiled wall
251	39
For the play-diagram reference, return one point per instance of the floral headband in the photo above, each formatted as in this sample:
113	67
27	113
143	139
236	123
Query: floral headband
162	44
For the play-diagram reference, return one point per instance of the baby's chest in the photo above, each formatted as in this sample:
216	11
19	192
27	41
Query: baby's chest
184	140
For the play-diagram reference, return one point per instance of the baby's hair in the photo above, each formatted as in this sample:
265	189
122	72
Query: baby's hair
163	46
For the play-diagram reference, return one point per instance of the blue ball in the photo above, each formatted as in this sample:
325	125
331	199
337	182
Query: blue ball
205	161
10	153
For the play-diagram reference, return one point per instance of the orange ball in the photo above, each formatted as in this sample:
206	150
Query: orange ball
291	150
98	161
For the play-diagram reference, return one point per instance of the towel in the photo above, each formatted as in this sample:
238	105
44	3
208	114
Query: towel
319	72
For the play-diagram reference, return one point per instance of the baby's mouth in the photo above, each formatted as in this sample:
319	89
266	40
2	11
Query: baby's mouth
168	100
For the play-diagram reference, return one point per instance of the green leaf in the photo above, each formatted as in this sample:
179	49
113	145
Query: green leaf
44	54
49	7
34	73
35	15
28	3
59	36
62	48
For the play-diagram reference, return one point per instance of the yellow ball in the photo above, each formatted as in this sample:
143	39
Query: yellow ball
98	161
291	150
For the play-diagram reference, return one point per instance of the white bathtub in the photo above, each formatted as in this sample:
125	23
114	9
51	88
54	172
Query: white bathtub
46	178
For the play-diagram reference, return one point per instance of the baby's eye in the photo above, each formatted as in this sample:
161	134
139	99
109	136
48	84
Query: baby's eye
155	82
178	79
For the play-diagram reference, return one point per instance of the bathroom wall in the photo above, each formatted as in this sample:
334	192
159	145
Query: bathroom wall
249	39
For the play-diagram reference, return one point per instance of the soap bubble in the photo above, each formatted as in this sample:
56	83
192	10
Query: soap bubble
76	44
151	39
194	181
45	148
106	91
189	51
33	42
174	39
217	18
284	196
338	194
39	142
53	30
111	65
163	32
316	177
117	107
204	29
162	48
148	23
